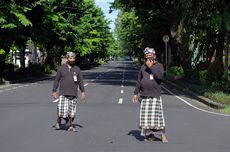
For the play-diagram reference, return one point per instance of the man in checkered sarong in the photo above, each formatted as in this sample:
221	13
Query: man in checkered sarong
148	86
68	78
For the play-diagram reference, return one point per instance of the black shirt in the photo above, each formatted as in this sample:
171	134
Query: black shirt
65	79
148	80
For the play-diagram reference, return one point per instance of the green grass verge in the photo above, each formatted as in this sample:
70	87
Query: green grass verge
221	97
211	93
225	110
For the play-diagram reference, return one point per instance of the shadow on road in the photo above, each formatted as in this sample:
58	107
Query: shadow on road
136	134
64	127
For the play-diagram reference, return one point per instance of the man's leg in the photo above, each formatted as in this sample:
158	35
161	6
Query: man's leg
58	123
71	127
67	121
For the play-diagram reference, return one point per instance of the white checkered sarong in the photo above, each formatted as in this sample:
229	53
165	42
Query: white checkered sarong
66	107
151	114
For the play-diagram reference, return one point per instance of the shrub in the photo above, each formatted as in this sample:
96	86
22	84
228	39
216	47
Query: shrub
39	68
175	71
10	67
46	68
215	71
221	97
192	74
203	76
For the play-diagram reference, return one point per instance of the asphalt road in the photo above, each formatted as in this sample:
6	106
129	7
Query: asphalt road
107	121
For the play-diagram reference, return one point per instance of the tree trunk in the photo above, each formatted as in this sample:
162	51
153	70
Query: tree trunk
226	55
22	58
220	45
2	63
49	60
2	66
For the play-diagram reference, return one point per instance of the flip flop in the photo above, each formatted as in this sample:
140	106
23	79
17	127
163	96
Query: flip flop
57	126
72	129
164	139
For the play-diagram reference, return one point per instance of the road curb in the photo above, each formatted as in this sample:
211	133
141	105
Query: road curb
196	96
29	79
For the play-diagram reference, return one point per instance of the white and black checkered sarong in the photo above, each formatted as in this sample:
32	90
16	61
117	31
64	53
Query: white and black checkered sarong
151	114
66	107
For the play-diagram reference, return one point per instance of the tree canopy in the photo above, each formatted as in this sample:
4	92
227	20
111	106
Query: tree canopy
56	26
198	30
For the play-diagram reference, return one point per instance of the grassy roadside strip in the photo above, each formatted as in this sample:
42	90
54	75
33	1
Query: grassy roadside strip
225	110
211	97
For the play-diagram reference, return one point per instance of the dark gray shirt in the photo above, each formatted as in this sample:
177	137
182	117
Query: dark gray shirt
65	79
147	82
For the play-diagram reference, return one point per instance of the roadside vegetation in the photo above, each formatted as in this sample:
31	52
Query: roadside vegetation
54	27
199	84
199	39
197	51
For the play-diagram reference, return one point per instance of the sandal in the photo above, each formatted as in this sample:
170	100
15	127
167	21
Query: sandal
164	139
72	129
150	137
57	126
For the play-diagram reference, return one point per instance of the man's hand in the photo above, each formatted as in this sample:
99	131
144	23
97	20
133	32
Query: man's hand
134	98
55	95
149	63
83	96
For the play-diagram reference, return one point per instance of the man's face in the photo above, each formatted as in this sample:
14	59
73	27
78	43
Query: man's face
71	60
150	56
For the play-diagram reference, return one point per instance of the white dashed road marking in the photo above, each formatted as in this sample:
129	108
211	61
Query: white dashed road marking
120	101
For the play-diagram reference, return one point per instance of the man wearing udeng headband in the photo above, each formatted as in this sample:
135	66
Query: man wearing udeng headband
68	78
148	86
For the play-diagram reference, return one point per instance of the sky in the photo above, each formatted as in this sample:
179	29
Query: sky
104	5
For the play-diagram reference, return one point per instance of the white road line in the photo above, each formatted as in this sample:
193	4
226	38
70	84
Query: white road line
122	91
7	89
120	101
186	102
122	86
86	84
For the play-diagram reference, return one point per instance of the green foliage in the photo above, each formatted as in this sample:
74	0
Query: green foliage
227	20
11	67
203	76
9	26
2	52
225	110
38	68
22	18
176	71
115	50
215	71
219	96
127	28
